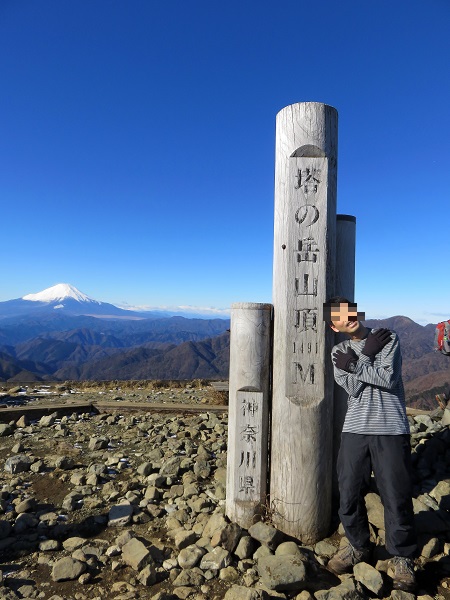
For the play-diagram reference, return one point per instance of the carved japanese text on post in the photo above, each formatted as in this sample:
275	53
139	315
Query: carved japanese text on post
249	440
307	225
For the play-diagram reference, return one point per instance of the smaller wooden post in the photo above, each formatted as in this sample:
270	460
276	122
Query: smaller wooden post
248	411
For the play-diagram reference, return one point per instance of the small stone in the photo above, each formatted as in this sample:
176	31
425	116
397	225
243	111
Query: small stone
324	548
47	420
218	559
245	547
401	595
431	548
72	543
216	522
26	505
147	576
184	538
5	429
368	577
190	556
24	421
120	515
262	551
64	463
375	510
49	546
266	534
228	574
84	578
290	549
239	592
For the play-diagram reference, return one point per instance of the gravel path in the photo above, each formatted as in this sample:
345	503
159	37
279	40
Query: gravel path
129	504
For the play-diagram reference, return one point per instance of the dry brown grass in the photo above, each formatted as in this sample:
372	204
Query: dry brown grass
216	397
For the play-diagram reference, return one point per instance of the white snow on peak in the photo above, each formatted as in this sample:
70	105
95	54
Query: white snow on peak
59	292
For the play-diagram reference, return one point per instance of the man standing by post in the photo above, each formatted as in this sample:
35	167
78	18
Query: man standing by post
375	436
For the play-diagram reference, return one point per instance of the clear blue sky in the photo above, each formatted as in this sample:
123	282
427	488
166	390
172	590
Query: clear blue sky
137	145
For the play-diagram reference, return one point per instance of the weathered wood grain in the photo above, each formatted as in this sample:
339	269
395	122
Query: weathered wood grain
303	279
248	412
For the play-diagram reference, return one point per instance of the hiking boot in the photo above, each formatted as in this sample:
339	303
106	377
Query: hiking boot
344	560
403	574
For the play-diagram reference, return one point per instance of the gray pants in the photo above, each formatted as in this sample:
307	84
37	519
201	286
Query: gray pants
389	456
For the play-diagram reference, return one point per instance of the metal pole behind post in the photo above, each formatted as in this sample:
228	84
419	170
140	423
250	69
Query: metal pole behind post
345	286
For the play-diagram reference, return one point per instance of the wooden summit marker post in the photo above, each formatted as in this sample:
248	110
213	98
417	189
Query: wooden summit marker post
304	268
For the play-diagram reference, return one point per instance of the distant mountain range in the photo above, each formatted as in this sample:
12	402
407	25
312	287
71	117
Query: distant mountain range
66	299
61	334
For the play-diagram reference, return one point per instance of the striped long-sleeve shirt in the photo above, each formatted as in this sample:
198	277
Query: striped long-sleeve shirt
376	402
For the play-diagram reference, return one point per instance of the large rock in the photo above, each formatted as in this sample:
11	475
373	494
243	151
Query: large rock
136	555
228	537
18	464
67	568
190	556
282	573
190	577
215	523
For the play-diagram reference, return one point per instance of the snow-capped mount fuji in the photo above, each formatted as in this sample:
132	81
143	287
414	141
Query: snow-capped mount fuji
59	293
63	299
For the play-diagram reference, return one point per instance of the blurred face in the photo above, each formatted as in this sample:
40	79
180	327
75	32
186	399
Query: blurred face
345	318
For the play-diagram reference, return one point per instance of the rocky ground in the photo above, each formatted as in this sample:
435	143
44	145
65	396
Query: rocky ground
123	505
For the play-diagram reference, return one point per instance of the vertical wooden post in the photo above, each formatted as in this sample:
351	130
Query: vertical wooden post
304	266
248	411
345	286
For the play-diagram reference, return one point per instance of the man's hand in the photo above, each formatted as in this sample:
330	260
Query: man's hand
376	342
345	360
